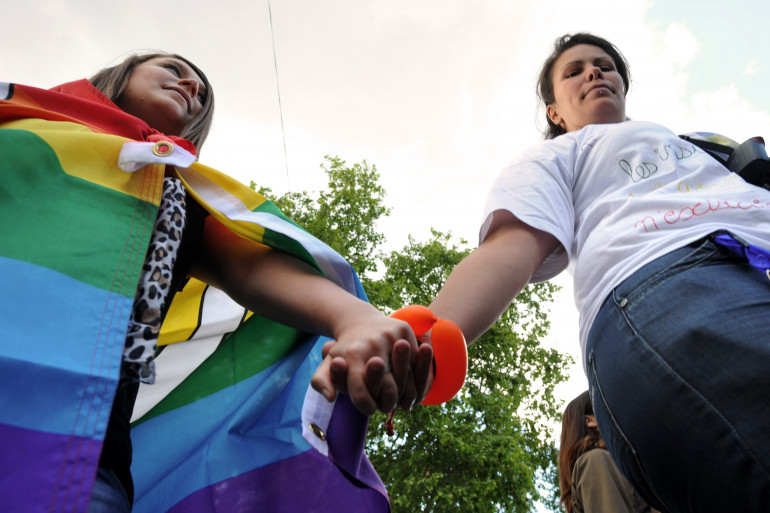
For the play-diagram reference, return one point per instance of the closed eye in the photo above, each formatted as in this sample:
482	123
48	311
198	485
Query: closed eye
573	72
173	68
605	64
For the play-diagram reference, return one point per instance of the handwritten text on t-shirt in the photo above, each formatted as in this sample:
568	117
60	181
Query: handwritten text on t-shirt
645	170
700	208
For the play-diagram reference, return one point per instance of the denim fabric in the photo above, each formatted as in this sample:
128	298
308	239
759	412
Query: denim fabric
678	364
108	495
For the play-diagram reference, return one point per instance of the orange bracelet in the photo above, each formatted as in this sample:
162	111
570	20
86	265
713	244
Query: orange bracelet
450	353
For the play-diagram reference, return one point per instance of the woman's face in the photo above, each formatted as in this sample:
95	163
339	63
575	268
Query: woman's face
165	93
587	89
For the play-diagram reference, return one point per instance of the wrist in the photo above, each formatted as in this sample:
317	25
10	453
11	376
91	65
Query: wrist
450	354
352	313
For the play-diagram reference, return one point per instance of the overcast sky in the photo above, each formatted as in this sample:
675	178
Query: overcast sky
437	94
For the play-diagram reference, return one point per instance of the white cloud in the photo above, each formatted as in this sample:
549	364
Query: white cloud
752	67
660	66
725	111
681	44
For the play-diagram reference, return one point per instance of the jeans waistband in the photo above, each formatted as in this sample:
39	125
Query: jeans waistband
694	252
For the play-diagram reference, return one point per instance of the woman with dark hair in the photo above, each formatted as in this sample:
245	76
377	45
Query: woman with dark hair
545	86
669	254
116	219
589	480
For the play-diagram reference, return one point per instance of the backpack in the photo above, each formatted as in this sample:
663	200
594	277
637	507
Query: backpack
749	159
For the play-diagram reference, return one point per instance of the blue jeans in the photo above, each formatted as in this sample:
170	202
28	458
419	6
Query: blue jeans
678	363
108	495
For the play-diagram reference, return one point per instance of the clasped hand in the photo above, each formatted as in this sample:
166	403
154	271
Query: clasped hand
378	362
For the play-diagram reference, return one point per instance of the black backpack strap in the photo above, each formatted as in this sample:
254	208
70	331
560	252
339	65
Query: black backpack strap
748	159
721	152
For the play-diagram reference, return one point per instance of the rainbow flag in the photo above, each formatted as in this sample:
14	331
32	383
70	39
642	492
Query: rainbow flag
231	424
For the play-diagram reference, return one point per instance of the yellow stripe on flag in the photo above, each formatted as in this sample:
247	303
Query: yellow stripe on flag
99	164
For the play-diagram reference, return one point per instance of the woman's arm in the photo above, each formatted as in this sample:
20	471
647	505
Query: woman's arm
474	296
483	285
283	288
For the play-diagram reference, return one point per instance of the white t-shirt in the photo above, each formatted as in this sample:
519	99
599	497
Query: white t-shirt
618	196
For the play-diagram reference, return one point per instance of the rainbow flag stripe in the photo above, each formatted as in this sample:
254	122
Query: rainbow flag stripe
231	424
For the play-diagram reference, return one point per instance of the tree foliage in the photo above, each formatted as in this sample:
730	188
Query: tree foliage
489	449
345	215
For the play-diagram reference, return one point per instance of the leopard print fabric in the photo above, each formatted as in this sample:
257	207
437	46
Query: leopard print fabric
155	281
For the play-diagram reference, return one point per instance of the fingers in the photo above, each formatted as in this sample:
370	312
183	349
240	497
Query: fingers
331	374
409	397
326	348
364	381
402	359
359	364
322	380
369	389
380	385
423	371
339	374
409	381
404	382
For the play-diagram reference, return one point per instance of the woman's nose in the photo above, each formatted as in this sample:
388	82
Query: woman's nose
594	73
191	85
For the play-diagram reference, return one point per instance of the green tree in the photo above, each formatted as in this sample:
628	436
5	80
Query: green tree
345	215
489	449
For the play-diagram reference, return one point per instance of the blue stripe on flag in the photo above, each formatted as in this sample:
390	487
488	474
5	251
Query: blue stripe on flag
248	425
33	347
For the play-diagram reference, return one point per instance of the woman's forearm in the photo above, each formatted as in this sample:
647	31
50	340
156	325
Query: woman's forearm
274	284
285	289
483	285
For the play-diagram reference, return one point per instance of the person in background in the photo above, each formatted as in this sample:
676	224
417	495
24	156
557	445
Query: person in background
590	481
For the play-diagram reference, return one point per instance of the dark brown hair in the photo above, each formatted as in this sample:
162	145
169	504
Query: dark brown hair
112	82
562	44
576	439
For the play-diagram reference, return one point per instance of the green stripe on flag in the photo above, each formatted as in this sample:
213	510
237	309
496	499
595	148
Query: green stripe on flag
42	207
255	346
284	242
